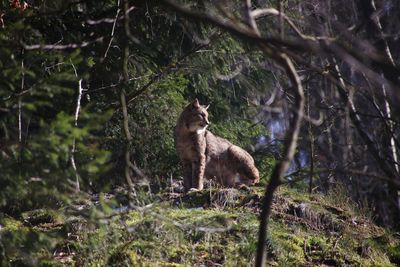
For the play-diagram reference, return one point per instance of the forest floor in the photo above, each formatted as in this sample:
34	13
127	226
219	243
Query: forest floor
210	228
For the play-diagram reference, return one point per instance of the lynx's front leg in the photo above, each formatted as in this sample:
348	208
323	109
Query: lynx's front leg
198	173
187	175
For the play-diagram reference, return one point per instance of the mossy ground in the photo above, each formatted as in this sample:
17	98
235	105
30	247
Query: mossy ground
211	228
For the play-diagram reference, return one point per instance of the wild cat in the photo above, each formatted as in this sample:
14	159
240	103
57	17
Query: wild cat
205	155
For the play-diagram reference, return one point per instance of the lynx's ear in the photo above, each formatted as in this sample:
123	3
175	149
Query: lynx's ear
206	107
196	103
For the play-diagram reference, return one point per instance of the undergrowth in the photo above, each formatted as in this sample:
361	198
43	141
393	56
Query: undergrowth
211	228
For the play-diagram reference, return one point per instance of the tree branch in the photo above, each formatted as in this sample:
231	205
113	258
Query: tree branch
124	107
288	154
364	135
60	47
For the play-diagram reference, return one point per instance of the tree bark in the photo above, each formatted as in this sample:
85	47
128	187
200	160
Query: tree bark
73	150
282	166
311	144
124	107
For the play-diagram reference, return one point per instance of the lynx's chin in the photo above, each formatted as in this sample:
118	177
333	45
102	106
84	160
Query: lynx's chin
200	131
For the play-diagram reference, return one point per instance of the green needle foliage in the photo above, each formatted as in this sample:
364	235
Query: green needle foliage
48	50
63	146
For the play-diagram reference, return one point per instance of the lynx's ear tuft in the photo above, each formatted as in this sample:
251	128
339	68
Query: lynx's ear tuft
206	107
196	103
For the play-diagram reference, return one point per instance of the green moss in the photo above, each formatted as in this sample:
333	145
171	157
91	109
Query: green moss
170	235
168	264
382	250
287	247
42	216
133	218
49	263
124	258
294	194
11	224
174	234
394	253
200	216
196	200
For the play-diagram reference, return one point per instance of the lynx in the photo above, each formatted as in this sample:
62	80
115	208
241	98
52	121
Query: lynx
205	155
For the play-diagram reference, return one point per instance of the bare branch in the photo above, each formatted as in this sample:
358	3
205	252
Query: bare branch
112	30
61	47
288	154
249	18
355	118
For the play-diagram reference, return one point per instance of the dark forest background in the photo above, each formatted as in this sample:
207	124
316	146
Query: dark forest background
90	92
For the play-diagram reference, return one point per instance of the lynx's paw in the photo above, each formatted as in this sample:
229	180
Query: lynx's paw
244	187
192	190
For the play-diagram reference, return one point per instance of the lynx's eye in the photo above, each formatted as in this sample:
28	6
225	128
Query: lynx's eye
201	115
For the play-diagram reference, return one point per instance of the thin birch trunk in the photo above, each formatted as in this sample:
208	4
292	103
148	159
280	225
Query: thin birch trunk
388	111
73	150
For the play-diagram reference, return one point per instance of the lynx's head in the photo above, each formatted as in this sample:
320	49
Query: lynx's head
195	117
